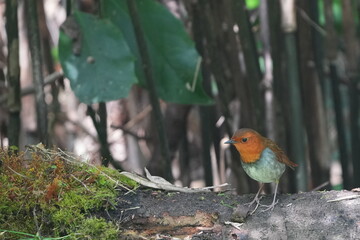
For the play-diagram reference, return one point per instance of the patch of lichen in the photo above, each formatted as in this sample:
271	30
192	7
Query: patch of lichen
53	194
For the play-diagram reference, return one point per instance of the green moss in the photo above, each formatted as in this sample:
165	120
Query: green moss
97	228
115	176
55	191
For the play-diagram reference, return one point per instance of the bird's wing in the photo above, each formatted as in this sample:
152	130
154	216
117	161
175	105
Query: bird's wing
281	156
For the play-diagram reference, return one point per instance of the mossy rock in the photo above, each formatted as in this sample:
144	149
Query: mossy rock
50	193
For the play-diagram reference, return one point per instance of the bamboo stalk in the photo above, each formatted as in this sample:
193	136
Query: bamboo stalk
13	76
331	53
268	75
149	78
205	111
297	134
36	60
352	50
312	101
251	58
340	125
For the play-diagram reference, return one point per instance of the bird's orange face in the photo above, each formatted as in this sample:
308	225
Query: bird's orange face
249	144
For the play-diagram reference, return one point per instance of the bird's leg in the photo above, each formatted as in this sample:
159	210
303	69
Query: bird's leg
256	207
271	207
256	198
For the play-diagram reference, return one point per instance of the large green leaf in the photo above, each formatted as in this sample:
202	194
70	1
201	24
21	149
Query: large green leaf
104	68
173	56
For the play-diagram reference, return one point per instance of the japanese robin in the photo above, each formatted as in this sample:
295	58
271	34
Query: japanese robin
262	159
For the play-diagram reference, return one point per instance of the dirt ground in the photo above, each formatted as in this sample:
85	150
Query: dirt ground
149	214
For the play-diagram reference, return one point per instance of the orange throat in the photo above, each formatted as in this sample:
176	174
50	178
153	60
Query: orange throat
250	154
249	157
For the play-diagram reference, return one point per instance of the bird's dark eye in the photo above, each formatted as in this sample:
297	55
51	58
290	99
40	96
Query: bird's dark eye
244	140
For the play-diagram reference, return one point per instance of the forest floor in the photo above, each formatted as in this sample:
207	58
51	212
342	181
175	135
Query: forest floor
72	199
149	214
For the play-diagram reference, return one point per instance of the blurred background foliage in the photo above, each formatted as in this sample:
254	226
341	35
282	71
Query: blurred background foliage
162	84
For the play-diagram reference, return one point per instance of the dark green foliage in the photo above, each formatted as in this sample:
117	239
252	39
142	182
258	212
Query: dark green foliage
104	70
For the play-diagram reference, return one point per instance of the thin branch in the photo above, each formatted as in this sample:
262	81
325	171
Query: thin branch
36	221
48	80
31	89
321	186
307	18
139	117
78	180
217	186
127	131
344	198
66	156
17	173
191	87
81	126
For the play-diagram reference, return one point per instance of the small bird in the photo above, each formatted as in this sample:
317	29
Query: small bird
262	160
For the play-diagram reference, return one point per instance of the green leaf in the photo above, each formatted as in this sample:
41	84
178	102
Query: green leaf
252	4
104	68
173	56
337	11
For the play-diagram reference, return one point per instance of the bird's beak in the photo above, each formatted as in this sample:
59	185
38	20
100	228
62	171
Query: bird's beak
230	142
